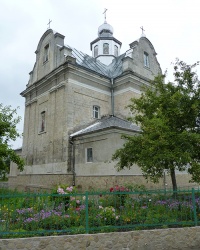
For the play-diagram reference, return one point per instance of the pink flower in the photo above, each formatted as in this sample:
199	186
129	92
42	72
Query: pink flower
69	189
60	190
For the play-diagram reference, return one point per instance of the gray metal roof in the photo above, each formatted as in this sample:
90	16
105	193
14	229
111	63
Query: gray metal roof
113	70
105	123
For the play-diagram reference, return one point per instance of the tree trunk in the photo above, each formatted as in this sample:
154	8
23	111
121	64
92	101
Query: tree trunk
173	178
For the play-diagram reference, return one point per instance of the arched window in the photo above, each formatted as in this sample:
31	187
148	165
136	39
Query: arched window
146	59
105	48
46	53
43	121
116	50
96	51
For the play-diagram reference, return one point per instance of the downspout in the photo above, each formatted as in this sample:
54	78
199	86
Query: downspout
112	97
73	161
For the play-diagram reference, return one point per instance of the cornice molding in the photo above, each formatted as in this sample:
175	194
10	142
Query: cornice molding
89	87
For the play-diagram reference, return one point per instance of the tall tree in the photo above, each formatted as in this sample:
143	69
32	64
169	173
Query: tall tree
168	115
8	132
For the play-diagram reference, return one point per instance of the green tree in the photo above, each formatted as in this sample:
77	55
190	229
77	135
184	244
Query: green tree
8	132
168	115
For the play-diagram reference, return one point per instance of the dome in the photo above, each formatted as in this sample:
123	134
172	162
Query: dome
105	28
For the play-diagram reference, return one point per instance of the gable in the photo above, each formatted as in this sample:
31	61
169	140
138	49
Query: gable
145	62
48	55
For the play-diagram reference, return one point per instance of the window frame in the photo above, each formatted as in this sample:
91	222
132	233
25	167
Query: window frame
89	155
42	122
96	50
146	59
106	48
96	110
46	53
116	51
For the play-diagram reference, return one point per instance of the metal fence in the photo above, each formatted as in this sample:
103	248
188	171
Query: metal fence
34	214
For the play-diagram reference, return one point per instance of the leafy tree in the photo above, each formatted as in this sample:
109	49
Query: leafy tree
5	168
168	115
8	132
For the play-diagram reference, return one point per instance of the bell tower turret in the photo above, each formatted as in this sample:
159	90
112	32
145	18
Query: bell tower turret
105	48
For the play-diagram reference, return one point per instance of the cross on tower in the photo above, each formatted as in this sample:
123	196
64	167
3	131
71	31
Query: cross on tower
142	30
105	13
49	24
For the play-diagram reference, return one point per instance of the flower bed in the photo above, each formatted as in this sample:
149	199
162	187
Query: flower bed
66	211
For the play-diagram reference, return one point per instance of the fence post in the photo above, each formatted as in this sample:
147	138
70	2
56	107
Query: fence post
194	207
86	213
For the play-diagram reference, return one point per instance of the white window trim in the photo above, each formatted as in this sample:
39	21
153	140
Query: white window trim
94	111
107	53
96	49
116	50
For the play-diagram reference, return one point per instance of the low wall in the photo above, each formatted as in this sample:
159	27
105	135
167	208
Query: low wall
166	239
4	184
46	182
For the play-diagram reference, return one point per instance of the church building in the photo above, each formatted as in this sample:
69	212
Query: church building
75	110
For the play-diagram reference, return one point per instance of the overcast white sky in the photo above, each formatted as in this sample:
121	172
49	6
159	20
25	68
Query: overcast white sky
171	25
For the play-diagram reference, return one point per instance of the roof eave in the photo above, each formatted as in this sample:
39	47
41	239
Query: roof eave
111	127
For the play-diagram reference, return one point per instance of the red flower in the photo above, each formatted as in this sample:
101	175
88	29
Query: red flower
119	189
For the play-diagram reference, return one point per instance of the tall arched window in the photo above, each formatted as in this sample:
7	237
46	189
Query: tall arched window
43	121
116	50
46	53
105	48
146	59
96	51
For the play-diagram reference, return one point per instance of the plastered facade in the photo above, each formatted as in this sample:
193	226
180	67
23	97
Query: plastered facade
66	90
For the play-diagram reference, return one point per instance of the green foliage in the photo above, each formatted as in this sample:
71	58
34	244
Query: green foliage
61	194
25	215
8	132
169	118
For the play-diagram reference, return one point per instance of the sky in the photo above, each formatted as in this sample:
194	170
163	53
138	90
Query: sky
172	26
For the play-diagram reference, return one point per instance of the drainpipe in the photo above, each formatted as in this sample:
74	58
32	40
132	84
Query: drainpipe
73	160
112	96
